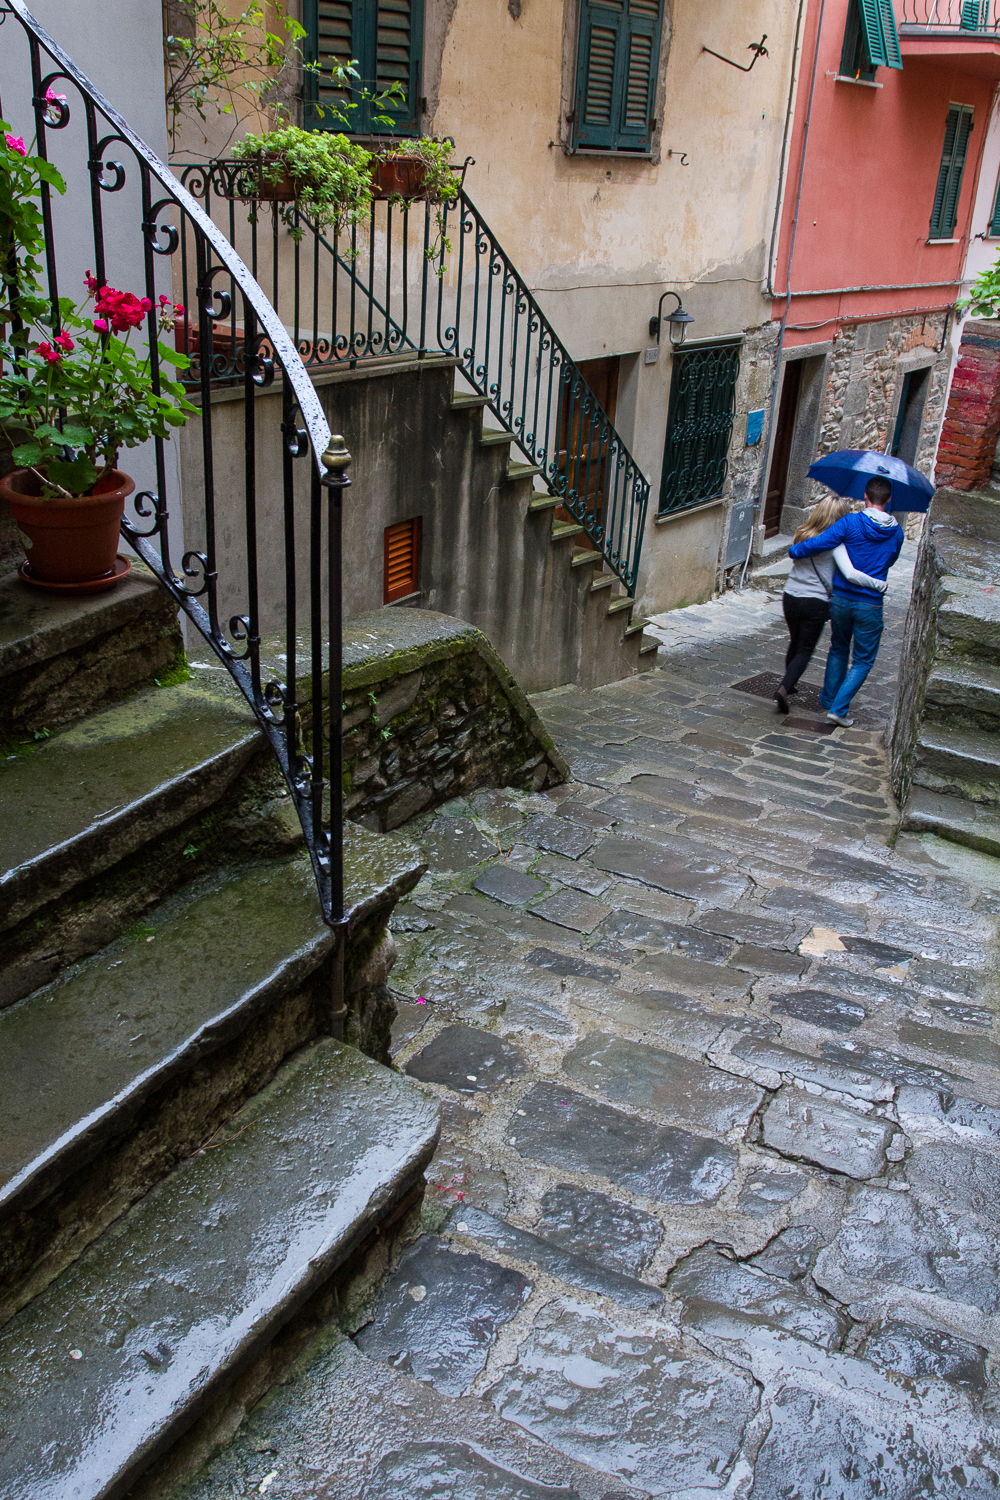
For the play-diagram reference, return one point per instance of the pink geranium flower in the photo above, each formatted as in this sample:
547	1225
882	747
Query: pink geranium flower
100	325
92	284
50	355
16	143
124	310
65	342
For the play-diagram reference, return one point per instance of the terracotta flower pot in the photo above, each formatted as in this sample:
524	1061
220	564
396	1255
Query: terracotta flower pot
404	176
69	542
260	184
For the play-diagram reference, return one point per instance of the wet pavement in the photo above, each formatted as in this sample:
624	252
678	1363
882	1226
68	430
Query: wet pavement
715	1208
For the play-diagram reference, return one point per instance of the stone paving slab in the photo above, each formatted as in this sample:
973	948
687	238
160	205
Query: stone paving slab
763	1083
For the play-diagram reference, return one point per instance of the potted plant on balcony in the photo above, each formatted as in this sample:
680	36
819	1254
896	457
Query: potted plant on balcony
407	170
323	175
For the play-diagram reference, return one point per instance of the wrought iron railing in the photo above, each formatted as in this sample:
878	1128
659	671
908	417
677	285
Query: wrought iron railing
419	280
126	217
960	16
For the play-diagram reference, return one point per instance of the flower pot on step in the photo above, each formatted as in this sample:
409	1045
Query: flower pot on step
399	176
69	543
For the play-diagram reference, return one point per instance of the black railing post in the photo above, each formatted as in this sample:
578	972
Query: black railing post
336	462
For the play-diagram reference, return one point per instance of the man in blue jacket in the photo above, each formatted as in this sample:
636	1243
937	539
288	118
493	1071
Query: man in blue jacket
873	540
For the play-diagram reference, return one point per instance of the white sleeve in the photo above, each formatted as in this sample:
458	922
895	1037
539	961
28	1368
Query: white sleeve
853	575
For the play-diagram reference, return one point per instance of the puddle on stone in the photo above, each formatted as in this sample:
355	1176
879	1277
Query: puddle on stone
467	1060
926	1352
819	1009
454	1471
594	1225
565	1129
689	1092
765	1192
625	1401
439	1313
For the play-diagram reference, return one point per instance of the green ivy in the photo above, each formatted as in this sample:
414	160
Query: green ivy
332	176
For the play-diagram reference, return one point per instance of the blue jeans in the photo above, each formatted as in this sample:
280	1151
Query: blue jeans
862	622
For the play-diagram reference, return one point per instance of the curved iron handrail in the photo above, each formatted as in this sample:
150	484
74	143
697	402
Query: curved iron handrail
310	758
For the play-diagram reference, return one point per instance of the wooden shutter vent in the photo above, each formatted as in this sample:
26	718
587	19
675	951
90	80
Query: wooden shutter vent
402	560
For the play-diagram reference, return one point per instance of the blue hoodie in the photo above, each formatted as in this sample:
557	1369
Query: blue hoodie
873	540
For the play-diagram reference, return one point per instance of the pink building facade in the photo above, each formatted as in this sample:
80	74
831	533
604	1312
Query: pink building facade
878	205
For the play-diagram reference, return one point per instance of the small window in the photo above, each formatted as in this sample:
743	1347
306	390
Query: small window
870	39
993	228
949	184
699	425
385	39
402	560
617	58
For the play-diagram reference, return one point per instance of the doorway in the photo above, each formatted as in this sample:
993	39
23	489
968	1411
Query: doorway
584	447
912	399
777	482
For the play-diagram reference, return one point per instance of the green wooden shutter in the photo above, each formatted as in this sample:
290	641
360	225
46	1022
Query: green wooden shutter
949	184
975	15
617	59
878	22
384	38
700	419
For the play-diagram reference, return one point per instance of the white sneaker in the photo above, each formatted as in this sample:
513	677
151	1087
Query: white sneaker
841	719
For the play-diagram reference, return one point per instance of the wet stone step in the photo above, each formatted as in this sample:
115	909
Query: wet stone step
103	1370
599	1228
105	787
565	1129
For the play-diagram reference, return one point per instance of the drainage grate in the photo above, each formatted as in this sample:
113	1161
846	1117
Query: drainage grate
807	697
765	685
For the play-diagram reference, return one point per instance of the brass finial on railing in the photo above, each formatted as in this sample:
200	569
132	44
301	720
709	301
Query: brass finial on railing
337	460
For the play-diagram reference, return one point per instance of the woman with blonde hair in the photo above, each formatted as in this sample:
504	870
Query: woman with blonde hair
806	600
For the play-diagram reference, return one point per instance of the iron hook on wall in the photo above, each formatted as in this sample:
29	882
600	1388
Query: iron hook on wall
683	156
757	48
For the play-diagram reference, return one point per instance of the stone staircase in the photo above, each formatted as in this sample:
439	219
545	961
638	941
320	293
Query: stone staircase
609	642
194	1140
946	750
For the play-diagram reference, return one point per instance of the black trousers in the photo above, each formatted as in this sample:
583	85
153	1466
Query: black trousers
805	619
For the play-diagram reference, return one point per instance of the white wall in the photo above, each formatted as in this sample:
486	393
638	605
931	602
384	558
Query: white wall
118	45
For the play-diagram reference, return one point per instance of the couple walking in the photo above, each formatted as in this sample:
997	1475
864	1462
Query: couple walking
841	563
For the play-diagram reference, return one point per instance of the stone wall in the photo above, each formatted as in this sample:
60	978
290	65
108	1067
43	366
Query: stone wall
972	421
431	712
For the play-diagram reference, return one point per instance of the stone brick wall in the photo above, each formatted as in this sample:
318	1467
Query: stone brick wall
972	421
858	411
431	712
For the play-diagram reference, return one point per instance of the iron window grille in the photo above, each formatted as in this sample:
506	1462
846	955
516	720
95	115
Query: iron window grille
385	39
944	214
699	425
618	56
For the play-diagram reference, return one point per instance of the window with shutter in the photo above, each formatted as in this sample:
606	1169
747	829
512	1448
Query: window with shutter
401	575
993	228
870	39
619	48
957	129
384	39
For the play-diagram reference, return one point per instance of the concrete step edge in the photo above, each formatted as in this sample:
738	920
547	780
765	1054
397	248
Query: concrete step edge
299	1179
968	823
60	1129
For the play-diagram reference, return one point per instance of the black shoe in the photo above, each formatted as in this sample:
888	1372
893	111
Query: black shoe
792	690
780	701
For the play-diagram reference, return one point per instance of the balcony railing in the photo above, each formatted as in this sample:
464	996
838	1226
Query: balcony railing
125	217
955	16
412	281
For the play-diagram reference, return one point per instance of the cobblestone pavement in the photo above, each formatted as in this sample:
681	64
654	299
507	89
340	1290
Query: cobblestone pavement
715	1209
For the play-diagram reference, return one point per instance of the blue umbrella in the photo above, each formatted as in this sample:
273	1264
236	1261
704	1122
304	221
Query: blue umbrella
849	470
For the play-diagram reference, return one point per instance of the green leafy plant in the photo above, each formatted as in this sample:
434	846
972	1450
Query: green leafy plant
331	175
984	294
214	58
442	183
22	240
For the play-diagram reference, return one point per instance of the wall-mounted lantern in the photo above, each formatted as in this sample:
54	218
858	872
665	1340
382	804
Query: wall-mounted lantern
678	320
